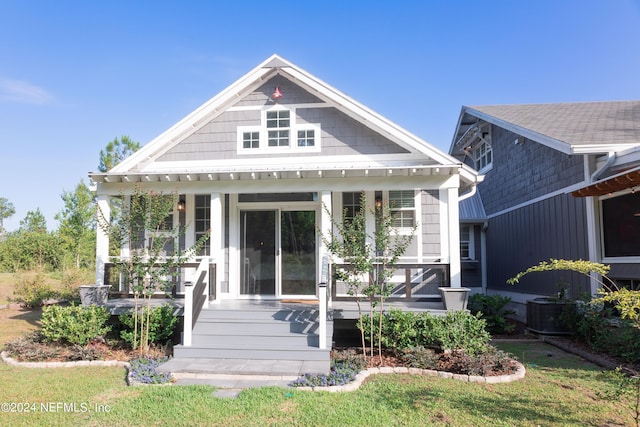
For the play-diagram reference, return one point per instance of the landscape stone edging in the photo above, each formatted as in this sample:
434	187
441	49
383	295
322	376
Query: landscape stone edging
13	362
362	375
352	386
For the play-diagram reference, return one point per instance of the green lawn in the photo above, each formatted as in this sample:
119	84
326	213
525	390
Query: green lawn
559	390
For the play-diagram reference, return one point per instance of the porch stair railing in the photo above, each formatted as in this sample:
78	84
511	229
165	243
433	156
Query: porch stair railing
196	296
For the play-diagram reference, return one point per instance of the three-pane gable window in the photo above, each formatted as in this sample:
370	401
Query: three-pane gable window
279	131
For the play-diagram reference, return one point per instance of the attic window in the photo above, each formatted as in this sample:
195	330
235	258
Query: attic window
278	124
278	132
482	155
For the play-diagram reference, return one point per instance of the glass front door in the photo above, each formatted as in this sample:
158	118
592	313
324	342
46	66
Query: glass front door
298	259
278	252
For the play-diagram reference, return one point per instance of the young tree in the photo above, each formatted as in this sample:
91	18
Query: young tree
77	224
372	258
6	211
144	228
116	151
34	222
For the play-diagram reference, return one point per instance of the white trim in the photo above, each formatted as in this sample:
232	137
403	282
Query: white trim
275	65
443	202
216	243
309	105
284	164
234	247
102	236
453	220
600	148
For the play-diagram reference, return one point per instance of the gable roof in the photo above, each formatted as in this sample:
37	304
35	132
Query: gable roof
572	128
276	65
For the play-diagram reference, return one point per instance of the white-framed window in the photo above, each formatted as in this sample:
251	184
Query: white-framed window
467	250
251	139
278	124
351	204
483	156
279	132
306	138
403	208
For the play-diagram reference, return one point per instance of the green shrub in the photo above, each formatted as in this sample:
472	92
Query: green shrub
493	312
74	324
31	291
454	331
597	324
461	330
162	323
421	357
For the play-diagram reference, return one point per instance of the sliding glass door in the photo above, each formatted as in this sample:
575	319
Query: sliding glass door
278	252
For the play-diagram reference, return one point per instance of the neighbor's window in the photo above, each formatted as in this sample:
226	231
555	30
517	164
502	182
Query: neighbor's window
403	208
621	225
278	123
466	242
483	156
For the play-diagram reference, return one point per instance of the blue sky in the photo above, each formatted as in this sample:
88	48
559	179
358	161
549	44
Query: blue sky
76	74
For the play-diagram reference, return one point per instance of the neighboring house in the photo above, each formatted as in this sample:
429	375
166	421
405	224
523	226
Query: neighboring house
559	182
256	165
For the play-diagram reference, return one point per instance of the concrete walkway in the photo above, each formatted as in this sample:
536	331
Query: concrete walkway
231	376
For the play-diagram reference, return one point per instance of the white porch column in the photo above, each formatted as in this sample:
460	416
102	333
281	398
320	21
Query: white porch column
453	220
102	237
216	243
326	209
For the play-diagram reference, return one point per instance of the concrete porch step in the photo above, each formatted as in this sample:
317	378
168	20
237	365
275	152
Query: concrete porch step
282	353
257	369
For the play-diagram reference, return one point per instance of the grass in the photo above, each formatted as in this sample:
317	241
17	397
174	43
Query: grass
559	390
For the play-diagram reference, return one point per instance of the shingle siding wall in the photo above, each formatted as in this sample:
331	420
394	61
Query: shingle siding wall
340	134
526	171
553	228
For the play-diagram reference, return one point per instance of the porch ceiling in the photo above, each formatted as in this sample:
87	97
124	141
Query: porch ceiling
623	181
267	174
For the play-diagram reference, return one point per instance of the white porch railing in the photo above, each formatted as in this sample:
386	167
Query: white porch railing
196	296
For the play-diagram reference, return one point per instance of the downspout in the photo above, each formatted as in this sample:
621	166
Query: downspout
471	193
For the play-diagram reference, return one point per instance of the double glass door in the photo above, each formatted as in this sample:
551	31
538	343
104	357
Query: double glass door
278	252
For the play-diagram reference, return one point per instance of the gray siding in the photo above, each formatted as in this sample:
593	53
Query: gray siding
430	223
553	228
524	172
340	134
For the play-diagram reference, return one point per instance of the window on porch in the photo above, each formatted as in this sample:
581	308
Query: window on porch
203	221
403	208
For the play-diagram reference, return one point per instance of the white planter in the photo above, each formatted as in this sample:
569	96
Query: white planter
94	294
454	299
